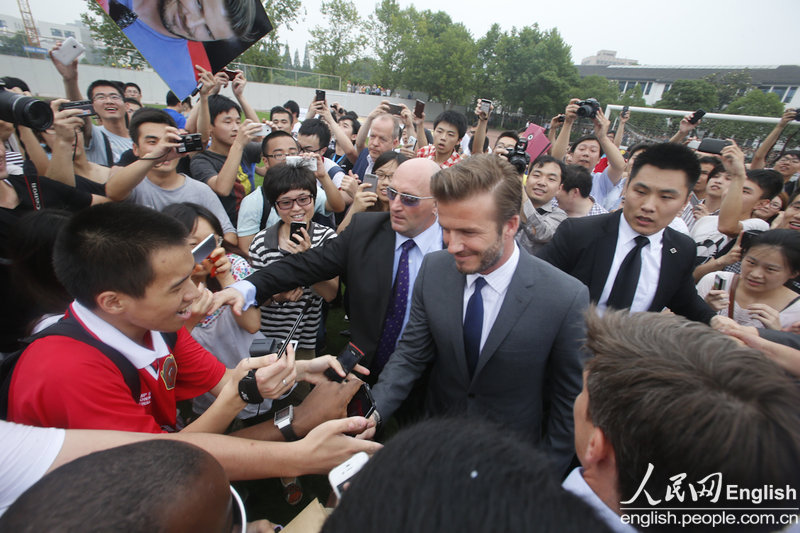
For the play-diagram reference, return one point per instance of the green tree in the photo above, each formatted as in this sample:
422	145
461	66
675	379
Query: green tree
283	14
114	47
730	86
286	59
633	97
486	80
12	45
599	88
296	62
387	27
340	40
690	95
754	103
306	60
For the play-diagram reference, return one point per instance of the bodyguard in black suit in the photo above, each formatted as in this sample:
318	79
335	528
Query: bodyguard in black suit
631	259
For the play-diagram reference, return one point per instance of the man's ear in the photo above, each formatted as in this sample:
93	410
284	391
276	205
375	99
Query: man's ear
511	226
135	149
110	302
598	448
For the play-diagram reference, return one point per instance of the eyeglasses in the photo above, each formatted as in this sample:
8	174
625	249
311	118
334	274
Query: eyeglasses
280	156
408	200
103	97
311	150
287	203
382	176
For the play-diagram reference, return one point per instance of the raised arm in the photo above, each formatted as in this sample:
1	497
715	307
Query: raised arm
363	133
731	209
616	163
69	75
623	119
561	145
65	124
237	85
683	130
123	181
760	156
480	132
342	141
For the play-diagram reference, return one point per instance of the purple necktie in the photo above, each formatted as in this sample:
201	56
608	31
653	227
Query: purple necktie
396	312
473	326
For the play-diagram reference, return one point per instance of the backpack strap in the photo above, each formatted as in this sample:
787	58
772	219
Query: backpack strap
109	152
265	210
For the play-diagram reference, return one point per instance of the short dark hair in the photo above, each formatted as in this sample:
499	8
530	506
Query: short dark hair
544	159
108	247
638	147
674	393
148	114
131	84
316	128
387	157
708	160
788	240
584	139
577	177
718	168
770	182
218	103
172	99
353	118
285	178
293	108
479	174
132	101
279	109
15	83
669	156
103	83
454	118
137	488
274	135
466	474
511	134
471	143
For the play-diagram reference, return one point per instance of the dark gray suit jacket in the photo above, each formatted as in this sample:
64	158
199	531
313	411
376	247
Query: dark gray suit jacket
530	359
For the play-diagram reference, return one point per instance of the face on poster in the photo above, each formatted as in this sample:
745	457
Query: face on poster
175	35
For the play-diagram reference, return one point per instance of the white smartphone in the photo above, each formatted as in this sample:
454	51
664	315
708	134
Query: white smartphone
265	130
69	51
340	475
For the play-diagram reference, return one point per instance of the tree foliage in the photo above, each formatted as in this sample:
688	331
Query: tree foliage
754	103
730	86
690	95
386	27
340	40
114	47
12	44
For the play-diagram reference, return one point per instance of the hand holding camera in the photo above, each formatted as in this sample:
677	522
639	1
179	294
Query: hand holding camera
65	121
168	147
248	131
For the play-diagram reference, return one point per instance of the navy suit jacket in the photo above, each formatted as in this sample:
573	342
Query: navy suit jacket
584	248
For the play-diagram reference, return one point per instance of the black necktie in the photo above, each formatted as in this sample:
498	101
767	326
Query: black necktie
473	326
627	279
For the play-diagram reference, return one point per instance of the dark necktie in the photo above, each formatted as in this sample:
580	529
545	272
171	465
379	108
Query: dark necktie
627	279
473	326
396	312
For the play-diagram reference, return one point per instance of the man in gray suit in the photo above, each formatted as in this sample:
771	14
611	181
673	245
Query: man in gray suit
501	330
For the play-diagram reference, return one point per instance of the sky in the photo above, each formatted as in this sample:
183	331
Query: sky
677	32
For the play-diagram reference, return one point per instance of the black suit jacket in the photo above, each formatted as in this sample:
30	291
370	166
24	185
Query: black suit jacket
584	248
363	255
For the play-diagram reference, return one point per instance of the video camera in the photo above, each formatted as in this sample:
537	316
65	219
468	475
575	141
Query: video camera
588	108
24	110
518	157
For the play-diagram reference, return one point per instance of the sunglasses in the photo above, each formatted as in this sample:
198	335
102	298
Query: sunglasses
408	200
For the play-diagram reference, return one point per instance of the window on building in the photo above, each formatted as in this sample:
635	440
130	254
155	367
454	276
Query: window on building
69	33
667	87
648	87
55	32
789	95
3	24
780	91
622	86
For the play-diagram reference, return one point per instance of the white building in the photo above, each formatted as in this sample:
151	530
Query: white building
607	57
49	32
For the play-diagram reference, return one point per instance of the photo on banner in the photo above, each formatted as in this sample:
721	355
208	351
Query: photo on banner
175	35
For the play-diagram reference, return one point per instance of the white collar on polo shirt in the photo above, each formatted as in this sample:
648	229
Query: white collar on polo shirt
139	356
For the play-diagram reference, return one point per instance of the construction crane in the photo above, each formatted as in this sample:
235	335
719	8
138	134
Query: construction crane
31	33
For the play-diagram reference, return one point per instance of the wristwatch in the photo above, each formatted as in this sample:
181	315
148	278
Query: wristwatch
248	389
283	421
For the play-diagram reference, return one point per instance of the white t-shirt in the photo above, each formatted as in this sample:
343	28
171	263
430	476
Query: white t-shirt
26	454
710	240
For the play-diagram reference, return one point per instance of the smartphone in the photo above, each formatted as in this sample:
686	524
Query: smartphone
719	283
84	105
693	145
202	251
265	130
561	118
349	358
395	109
230	73
340	475
419	108
295	227
624	111
266	345
372	179
362	404
412	142
696	116
694	200
69	51
486	105
712	146
296	325
320	96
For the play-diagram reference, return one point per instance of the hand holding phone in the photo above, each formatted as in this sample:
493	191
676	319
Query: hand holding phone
349	358
69	51
696	116
341	475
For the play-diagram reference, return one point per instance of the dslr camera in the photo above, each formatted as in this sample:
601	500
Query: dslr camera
588	108
24	110
191	142
518	157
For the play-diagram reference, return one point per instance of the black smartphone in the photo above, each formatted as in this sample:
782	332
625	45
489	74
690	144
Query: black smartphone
230	73
349	358
561	118
263	346
486	105
624	111
696	116
419	108
84	105
295	227
362	404
395	109
372	179
712	146
303	311
320	96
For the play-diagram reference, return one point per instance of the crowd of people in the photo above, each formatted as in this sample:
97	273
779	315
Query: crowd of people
375	90
584	341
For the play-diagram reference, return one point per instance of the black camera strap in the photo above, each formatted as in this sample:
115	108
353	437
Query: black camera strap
30	174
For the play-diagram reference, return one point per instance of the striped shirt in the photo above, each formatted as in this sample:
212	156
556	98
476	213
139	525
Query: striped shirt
277	319
429	152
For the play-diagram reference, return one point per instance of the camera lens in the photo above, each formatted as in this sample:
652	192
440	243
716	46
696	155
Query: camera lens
25	111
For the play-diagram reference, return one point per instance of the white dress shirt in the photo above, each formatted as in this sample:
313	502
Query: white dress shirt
493	293
578	486
648	276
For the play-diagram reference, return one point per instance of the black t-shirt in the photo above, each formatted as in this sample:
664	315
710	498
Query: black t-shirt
207	164
341	160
